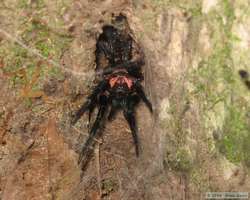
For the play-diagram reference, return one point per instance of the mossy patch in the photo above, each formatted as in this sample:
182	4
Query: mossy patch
108	186
38	4
199	179
235	136
33	30
178	154
149	16
181	160
217	82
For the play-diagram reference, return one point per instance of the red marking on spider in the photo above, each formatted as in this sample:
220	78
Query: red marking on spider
120	80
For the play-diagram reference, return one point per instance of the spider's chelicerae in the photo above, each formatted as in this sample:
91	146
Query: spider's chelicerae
119	87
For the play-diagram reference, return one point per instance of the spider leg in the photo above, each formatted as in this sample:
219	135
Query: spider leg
113	110
90	103
141	93
134	68
91	109
130	117
87	148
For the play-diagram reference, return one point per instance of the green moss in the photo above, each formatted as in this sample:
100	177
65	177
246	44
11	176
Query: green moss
246	148
48	42
109	185
25	4
28	102
216	82
199	179
36	33
156	7
192	8
56	73
236	134
215	77
44	48
180	160
183	160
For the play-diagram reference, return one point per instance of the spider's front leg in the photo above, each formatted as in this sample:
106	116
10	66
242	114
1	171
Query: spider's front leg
88	146
91	101
134	68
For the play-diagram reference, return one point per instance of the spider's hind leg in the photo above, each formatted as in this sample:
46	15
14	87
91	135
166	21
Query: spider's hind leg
87	149
113	110
90	103
129	114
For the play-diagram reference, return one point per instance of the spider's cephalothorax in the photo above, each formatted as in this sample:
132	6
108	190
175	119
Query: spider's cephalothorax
119	87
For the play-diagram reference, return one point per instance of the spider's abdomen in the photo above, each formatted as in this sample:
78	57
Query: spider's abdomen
122	50
114	45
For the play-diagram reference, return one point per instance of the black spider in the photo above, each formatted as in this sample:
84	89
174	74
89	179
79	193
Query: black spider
120	86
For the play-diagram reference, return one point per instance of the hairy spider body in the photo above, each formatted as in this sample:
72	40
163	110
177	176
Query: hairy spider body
119	88
116	48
